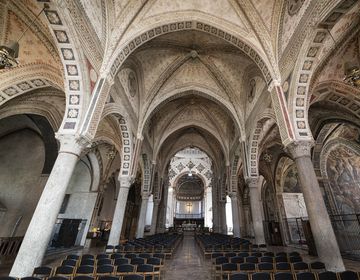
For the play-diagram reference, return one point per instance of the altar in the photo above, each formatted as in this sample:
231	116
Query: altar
189	227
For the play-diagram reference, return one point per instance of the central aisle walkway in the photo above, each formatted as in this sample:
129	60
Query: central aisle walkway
188	262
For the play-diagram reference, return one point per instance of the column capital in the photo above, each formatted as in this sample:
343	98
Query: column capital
252	182
145	196
72	144
273	84
125	181
233	195
299	149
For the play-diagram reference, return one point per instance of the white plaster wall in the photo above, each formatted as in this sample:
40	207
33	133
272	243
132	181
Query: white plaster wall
22	156
294	205
149	211
229	218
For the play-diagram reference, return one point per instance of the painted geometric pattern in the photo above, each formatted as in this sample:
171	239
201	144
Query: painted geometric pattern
234	177
190	25
147	174
309	64
254	150
340	94
200	166
23	87
126	156
73	80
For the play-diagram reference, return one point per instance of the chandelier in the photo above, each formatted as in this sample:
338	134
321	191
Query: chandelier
8	55
10	52
352	74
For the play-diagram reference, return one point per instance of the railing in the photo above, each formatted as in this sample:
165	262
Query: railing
295	230
189	216
346	228
347	231
9	247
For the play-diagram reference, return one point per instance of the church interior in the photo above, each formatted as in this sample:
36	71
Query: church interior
208	139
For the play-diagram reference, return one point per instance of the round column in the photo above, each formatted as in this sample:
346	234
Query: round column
222	211
119	213
235	214
39	231
323	233
154	216
142	216
253	184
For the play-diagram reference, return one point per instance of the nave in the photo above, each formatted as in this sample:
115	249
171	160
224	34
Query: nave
132	121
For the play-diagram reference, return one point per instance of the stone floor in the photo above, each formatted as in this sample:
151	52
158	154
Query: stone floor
187	262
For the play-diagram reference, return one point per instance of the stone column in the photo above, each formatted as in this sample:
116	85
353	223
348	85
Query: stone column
171	203
235	214
222	217
39	231
154	217
215	217
163	209
242	218
253	184
120	206
208	205
142	216
323	233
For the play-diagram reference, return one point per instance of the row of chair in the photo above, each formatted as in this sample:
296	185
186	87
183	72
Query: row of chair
239	247
245	254
82	277
148	270
254	259
226	268
115	261
114	256
219	242
326	275
160	243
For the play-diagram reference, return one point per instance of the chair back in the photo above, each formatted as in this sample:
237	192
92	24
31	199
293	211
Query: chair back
261	276
283	276
327	275
305	276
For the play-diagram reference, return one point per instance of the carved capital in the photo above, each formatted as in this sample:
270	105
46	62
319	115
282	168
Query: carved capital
252	182
125	181
299	149
233	195
145	196
274	83
72	144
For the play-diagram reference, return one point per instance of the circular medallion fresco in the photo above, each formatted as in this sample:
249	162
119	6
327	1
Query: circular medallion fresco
132	84
294	6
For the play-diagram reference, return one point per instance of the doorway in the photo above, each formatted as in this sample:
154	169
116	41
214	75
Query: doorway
68	233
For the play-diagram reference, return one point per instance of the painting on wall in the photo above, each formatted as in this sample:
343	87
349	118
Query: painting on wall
343	171
291	183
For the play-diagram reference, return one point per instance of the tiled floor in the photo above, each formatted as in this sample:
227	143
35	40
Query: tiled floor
188	262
